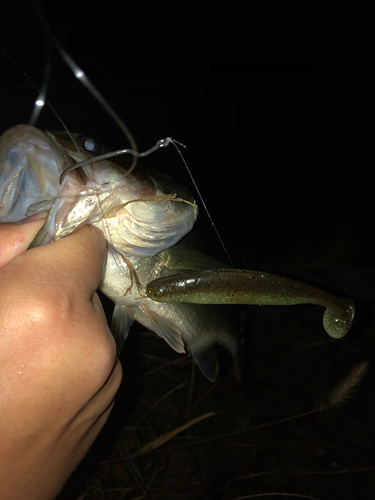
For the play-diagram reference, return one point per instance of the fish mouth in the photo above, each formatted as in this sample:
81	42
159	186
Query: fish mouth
30	164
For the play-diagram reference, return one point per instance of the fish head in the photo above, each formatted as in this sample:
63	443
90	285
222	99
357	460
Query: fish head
134	210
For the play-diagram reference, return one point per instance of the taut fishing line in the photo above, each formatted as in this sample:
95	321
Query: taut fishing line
85	81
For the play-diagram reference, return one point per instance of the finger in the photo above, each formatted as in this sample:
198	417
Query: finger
63	274
74	261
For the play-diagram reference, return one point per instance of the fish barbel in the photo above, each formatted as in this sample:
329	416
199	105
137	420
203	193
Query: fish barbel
140	220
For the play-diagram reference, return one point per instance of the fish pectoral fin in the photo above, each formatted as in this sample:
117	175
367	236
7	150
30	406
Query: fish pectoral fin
122	320
207	362
165	329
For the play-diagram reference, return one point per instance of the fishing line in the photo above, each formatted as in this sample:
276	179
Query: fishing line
81	76
42	100
203	203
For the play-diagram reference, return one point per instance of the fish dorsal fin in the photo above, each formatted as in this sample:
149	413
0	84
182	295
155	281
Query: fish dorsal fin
122	320
165	329
207	362
187	259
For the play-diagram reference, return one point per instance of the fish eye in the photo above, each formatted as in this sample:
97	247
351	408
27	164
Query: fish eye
91	145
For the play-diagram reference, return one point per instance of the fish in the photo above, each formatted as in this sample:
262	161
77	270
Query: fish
143	215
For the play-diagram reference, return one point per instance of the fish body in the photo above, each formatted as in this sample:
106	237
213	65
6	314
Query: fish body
139	220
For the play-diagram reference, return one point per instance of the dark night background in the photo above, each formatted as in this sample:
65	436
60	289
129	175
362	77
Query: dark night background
278	150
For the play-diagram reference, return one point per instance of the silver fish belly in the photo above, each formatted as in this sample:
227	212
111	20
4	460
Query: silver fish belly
137	222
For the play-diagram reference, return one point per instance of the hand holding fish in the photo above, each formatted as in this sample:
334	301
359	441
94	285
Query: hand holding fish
59	370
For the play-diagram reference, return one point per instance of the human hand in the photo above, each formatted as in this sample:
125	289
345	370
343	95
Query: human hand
58	367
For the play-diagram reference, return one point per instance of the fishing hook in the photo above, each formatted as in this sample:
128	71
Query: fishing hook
161	143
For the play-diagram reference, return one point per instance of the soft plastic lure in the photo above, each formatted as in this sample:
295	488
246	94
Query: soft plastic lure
242	286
